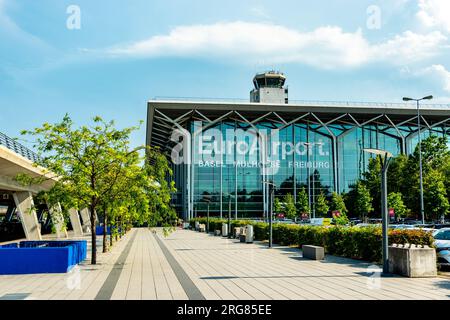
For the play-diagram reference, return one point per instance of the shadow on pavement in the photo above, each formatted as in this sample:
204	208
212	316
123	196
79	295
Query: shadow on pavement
277	277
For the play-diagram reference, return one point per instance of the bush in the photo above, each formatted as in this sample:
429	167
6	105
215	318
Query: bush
285	234
350	242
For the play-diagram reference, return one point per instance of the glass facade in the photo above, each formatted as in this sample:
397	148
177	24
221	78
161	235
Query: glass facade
231	158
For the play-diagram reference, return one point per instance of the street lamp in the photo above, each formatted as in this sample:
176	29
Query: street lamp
207	199
422	211
229	216
308	163
271	193
385	157
229	209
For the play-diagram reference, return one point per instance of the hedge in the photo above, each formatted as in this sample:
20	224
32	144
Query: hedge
351	242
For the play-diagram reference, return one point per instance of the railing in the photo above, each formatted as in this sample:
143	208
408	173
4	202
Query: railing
312	102
13	145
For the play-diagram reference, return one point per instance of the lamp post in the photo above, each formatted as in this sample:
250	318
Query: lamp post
308	163
207	199
229	216
385	157
422	211
271	193
229	208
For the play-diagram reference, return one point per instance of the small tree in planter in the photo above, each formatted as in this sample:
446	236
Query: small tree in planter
289	206
395	201
363	200
277	206
322	207
302	204
339	209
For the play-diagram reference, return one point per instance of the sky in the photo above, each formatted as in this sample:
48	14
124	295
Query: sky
109	57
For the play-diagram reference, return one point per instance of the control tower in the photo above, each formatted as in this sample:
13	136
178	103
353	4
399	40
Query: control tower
269	88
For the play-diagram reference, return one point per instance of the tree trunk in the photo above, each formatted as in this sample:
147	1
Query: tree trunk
93	237
105	229
111	235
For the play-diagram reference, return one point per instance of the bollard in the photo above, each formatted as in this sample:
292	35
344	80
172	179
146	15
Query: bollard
224	230
249	234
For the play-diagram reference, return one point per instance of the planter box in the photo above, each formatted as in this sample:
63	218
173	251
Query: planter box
30	257
237	232
412	261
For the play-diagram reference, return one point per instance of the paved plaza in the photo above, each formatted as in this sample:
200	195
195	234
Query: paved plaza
192	265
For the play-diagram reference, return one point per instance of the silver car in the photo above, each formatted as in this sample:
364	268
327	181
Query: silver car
442	242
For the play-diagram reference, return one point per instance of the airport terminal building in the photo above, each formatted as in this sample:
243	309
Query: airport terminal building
223	152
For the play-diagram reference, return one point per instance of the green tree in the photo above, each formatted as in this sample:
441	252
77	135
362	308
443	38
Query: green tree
435	196
372	180
289	206
435	152
396	174
435	155
278	207
446	173
363	200
321	205
125	176
158	169
87	162
337	203
395	201
302	204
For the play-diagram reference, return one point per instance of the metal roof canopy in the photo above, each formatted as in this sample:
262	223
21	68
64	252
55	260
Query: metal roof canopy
165	115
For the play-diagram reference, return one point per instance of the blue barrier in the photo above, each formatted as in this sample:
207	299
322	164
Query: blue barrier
29	257
99	230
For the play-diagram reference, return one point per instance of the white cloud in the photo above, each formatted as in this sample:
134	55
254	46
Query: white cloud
439	73
409	47
435	13
324	47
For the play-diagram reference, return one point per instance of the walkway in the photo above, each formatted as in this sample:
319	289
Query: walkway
191	265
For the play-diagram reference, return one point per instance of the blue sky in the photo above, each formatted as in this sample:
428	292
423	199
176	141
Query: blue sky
126	53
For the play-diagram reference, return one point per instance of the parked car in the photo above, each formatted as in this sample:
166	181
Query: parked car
361	225
441	226
412	222
442	242
401	226
285	221
355	221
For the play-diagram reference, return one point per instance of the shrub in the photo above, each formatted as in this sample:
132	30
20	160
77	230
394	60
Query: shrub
351	242
285	234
